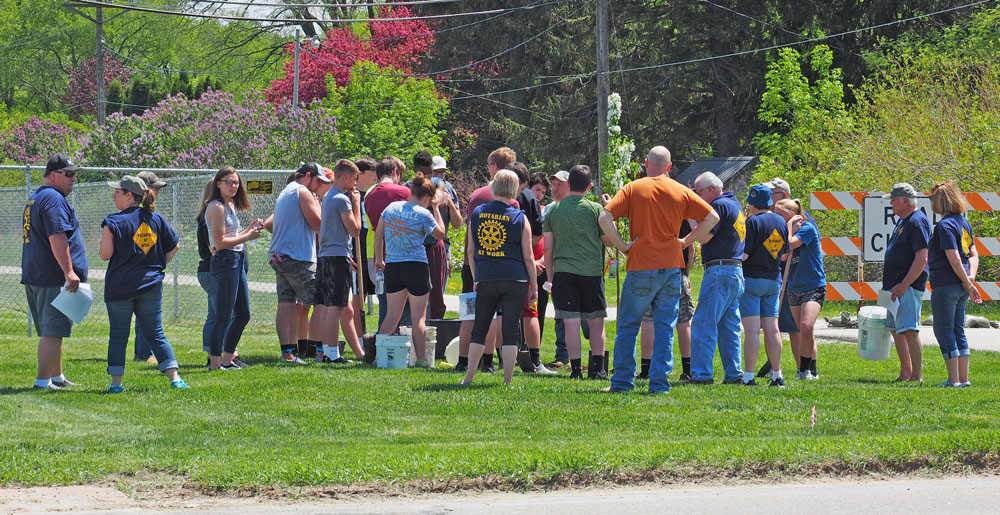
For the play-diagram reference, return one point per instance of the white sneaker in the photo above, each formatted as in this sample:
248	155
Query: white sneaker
802	375
540	369
811	377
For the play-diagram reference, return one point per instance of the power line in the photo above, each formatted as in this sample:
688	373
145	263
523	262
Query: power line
359	5
96	3
457	68
167	69
724	8
796	43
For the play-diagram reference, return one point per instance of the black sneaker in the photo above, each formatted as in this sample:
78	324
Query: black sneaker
342	361
576	374
230	366
600	375
735	380
764	370
642	376
240	363
750	383
701	381
778	382
684	377
488	369
461	367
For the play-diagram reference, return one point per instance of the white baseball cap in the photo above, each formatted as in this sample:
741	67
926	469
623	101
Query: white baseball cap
438	163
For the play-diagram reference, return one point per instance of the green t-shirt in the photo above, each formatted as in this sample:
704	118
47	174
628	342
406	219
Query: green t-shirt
573	224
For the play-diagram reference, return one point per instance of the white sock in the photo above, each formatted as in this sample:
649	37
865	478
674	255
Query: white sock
748	376
331	351
43	383
59	379
776	374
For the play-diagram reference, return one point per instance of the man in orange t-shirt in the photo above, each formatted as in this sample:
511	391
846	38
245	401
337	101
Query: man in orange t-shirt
655	206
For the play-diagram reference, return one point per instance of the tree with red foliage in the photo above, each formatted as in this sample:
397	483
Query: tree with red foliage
81	92
398	44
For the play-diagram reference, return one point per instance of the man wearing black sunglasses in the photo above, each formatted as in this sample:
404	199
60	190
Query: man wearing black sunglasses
52	257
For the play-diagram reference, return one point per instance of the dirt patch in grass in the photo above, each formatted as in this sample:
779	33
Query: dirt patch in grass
972	463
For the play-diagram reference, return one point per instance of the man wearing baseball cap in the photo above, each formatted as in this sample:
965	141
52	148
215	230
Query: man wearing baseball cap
905	275
52	256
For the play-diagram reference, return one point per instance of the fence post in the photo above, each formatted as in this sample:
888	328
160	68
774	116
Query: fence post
173	192
27	195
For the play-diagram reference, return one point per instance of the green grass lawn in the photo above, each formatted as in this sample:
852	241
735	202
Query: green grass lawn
278	425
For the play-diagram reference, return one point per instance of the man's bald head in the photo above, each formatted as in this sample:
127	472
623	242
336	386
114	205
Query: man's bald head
658	161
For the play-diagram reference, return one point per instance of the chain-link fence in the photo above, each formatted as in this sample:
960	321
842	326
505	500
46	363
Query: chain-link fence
184	302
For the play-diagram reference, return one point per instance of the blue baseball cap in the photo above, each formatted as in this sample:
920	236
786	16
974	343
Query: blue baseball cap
760	196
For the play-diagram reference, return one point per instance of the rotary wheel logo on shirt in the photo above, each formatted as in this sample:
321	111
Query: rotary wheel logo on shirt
491	235
741	226
773	243
144	238
966	241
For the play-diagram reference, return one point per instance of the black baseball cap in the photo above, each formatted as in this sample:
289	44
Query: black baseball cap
60	162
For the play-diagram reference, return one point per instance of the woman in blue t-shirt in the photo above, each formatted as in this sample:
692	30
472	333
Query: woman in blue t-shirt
805	283
501	260
228	265
403	227
952	262
139	243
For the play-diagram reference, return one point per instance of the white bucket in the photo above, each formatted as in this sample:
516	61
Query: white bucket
392	352
874	340
451	351
431	343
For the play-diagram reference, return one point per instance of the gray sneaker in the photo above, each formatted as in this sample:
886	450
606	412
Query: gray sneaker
540	369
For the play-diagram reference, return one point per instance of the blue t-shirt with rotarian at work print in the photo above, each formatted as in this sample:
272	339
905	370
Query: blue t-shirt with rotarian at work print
45	214
952	232
807	261
496	235
406	226
767	239
334	240
729	233
911	235
142	241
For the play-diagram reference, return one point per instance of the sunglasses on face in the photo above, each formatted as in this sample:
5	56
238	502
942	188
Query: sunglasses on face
68	173
231	183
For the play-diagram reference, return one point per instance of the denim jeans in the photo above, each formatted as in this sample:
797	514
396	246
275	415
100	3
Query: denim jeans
232	300
147	308
207	282
661	289
717	320
142	350
948	307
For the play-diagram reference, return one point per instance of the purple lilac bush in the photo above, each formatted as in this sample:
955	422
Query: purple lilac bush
215	130
32	141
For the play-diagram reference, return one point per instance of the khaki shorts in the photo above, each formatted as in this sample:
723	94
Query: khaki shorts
296	281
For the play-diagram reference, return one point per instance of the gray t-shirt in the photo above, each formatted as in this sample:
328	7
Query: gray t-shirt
334	240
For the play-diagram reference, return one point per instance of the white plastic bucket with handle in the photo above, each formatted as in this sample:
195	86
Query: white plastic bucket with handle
392	352
874	340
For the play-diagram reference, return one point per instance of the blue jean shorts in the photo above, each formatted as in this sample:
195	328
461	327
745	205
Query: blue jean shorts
908	314
760	298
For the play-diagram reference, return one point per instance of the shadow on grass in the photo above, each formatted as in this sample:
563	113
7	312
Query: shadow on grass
15	391
450	387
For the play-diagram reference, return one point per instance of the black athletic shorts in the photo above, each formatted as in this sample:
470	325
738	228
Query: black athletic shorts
412	276
578	296
468	285
333	281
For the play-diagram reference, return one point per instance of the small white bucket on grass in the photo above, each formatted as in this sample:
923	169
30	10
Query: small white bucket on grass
392	352
874	340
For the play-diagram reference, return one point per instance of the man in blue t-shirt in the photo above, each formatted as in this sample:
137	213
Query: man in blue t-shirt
905	275
717	318
52	257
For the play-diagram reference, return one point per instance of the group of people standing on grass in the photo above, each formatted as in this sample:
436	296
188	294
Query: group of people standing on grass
355	228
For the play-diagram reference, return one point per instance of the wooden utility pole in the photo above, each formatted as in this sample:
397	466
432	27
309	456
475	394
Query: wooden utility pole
603	87
295	87
98	20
